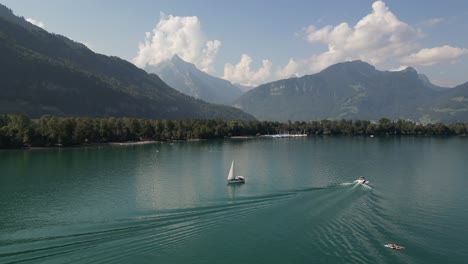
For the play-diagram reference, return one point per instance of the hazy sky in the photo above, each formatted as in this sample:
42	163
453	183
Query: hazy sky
252	42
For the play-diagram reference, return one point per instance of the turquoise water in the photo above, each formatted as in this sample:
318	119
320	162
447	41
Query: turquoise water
169	203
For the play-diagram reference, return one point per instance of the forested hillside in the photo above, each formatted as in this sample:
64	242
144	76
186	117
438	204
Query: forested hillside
44	73
356	90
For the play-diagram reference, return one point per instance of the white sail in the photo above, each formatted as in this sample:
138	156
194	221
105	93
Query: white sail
231	172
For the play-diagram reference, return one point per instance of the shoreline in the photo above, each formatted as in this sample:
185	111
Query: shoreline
91	145
131	143
120	144
105	144
242	137
149	142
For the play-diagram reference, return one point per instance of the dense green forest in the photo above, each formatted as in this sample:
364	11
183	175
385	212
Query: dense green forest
21	131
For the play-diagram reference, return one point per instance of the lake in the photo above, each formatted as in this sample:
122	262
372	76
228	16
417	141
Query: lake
169	202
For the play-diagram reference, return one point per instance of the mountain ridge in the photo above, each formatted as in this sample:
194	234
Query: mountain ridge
45	73
352	90
188	79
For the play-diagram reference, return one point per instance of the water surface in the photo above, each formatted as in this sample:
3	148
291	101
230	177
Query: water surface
169	203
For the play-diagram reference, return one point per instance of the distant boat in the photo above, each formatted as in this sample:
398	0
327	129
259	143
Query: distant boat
394	246
362	180
234	179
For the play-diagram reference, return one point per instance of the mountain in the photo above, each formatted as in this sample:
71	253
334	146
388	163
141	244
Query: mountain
244	88
428	83
44	73
451	106
356	90
8	15
186	78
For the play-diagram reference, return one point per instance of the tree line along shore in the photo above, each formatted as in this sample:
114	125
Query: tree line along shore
18	131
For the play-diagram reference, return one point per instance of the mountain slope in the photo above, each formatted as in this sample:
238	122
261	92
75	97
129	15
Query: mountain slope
44	73
243	88
452	106
349	90
186	78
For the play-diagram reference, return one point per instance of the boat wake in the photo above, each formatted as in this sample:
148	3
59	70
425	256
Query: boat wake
151	234
159	235
356	184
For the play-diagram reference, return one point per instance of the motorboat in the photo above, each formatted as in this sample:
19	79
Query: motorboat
362	180
234	179
394	246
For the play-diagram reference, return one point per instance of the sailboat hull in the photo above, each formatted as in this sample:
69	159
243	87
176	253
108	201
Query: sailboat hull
238	179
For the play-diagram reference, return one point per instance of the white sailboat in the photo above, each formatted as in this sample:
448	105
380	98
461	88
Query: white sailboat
234	179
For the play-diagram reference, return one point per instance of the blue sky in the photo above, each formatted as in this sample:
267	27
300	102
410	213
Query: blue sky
252	42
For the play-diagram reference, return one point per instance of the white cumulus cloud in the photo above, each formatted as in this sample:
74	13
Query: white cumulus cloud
432	22
242	74
377	37
177	35
402	67
427	57
292	68
35	22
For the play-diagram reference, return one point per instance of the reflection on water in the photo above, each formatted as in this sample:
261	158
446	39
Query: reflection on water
170	203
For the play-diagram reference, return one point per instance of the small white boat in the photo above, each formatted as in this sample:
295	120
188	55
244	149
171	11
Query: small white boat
394	246
234	179
362	180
